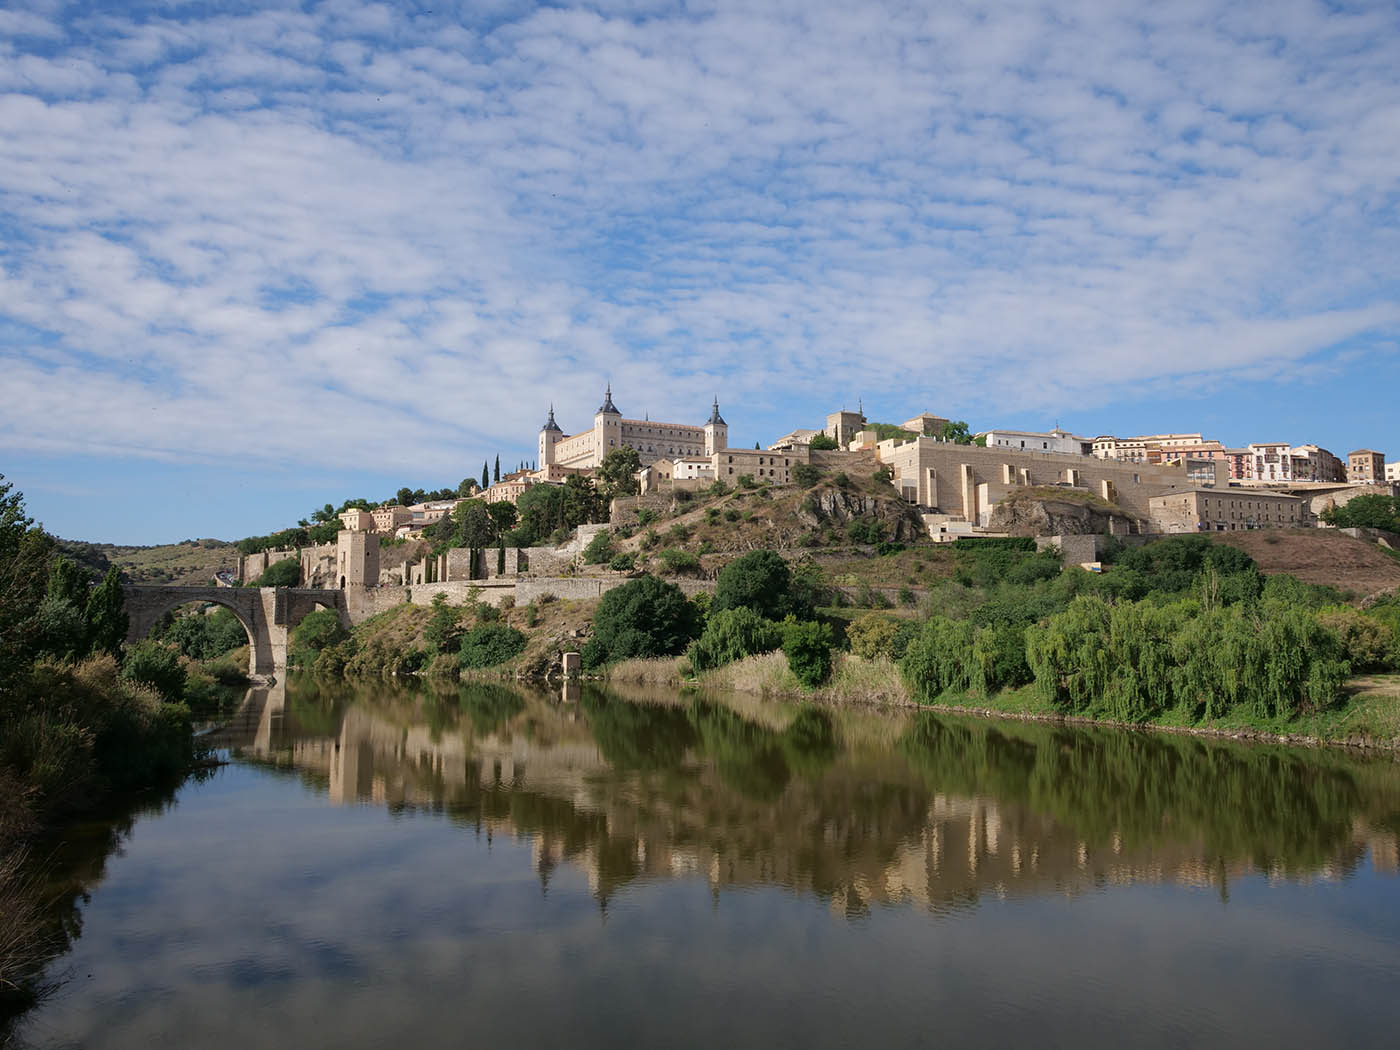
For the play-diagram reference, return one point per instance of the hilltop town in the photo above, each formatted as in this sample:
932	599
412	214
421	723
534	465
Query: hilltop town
925	479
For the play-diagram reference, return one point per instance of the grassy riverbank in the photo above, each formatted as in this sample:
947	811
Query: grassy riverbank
1368	715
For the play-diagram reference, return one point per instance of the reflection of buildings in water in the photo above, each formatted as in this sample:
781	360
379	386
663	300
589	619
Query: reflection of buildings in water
860	834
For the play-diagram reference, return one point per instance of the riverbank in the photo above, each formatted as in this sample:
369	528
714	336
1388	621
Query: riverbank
1369	717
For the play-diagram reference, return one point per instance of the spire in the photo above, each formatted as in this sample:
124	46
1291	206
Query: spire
715	418
549	423
607	407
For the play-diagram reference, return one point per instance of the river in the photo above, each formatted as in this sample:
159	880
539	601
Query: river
383	865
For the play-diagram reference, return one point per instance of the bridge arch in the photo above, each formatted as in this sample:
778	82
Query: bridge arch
267	613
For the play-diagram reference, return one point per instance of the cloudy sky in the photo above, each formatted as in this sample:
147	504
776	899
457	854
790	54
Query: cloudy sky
253	260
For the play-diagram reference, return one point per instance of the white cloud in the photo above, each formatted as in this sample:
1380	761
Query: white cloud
297	234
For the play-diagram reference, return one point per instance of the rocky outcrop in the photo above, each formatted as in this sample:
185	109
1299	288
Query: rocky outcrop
1046	517
838	507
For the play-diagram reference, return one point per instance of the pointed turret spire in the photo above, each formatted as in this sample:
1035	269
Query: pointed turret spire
715	418
607	407
549	423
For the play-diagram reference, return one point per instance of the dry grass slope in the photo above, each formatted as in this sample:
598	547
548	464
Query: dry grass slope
1319	556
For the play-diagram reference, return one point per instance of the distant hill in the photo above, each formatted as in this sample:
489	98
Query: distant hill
189	563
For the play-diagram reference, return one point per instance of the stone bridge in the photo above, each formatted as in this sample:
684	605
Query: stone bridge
268	614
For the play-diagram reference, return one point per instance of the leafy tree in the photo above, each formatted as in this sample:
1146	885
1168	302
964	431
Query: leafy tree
465	488
822	443
106	615
730	635
317	631
805	476
157	665
643	617
405	497
503	517
956	431
808	648
618	472
284	573
583	503
489	644
204	637
762	581
1366	512
873	635
599	549
677	560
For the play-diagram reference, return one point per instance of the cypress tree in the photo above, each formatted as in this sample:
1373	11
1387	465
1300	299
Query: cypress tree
485	476
498	467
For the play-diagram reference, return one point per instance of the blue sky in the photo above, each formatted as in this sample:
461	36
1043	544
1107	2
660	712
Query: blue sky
256	259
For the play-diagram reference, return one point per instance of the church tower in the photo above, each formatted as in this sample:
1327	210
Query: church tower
607	428
550	435
716	431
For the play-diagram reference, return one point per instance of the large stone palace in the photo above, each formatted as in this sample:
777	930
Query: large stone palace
652	439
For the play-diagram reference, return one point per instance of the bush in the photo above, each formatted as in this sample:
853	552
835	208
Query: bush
205	637
644	617
822	443
762	581
599	549
157	665
624	562
939	660
731	514
678	533
730	635
872	636
650	539
284	573
443	631
645	516
865	530
676	561
1368	643
807	646
316	631
489	644
804	475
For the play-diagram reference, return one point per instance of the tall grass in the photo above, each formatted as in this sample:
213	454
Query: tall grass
657	670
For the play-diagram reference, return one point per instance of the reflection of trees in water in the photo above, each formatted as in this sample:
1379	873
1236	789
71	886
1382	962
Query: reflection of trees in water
63	869
1280	810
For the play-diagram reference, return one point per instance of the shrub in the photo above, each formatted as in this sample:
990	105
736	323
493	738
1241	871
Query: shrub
678	533
623	562
823	443
489	644
804	475
599	549
157	665
731	514
711	515
939	660
675	561
999	659
865	530
1368	643
284	573
842	480
872	635
643	617
316	631
906	596
730	635
762	581
532	615
650	539
645	516
807	646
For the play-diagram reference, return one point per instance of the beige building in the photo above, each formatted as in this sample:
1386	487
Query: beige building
652	440
1226	510
679	473
1365	466
1061	442
1392	471
774	467
965	481
925	424
357	521
389	518
842	427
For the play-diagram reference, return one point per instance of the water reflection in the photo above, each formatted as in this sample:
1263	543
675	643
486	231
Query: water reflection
859	809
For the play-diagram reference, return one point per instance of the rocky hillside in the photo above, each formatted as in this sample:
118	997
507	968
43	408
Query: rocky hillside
1057	512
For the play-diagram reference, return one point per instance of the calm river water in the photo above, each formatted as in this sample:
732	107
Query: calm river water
490	866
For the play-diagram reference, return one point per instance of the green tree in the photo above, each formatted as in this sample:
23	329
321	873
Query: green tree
618	472
762	581
405	496
807	646
465	488
956	431
599	549
106	614
503	517
643	617
283	573
1366	512
497	475
730	635
489	644
157	665
822	443
485	476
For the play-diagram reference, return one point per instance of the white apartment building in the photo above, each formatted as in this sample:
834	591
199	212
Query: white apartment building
1057	441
